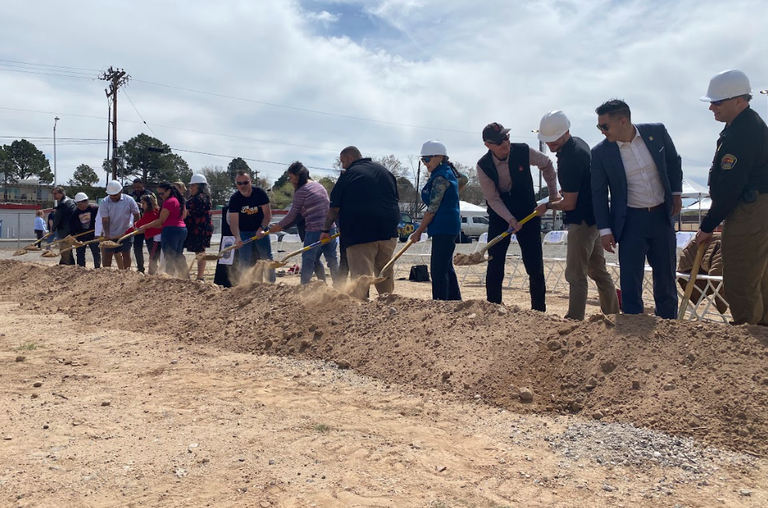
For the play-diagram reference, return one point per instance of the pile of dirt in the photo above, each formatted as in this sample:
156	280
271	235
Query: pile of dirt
707	381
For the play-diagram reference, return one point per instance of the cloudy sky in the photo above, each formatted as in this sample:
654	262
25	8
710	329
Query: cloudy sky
287	80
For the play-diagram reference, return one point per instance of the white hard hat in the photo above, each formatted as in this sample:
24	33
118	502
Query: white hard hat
81	196
114	187
433	147
198	178
553	125
726	85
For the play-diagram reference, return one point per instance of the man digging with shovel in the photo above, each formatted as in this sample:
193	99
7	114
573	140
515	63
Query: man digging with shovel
62	224
118	212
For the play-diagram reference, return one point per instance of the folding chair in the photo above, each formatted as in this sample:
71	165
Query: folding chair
683	238
478	270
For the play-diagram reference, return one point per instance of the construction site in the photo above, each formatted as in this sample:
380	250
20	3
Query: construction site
128	390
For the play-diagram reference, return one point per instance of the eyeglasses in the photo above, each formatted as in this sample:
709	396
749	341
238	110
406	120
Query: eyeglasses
499	143
243	183
604	127
426	159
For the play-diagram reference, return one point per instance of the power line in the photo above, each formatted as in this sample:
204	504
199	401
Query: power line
137	112
49	65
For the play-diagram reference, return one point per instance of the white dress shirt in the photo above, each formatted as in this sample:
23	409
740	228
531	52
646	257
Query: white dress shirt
644	187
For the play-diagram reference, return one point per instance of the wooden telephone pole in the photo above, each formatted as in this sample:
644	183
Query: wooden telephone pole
116	78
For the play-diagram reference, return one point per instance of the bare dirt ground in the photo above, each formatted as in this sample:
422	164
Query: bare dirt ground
125	390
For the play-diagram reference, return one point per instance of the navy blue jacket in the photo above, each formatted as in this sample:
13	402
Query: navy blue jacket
608	174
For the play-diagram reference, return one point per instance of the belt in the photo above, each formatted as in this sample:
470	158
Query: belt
650	208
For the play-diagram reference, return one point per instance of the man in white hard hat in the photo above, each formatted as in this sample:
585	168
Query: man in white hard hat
505	177
138	241
738	186
585	255
118	212
640	166
84	219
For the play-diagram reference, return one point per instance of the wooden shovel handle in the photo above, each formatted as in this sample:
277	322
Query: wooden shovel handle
309	247
395	257
507	233
691	280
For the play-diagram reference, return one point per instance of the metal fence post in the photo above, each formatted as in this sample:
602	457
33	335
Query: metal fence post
18	231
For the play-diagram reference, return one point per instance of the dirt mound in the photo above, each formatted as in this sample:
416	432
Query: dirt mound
705	381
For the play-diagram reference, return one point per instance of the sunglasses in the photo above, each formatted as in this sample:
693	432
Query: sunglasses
604	127
426	159
720	102
500	142
243	183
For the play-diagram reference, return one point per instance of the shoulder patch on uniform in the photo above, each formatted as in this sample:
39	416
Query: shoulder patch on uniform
728	162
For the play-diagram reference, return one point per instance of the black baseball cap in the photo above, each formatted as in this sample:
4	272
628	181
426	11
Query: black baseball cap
495	133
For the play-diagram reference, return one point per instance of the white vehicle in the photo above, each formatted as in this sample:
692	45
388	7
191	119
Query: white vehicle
474	224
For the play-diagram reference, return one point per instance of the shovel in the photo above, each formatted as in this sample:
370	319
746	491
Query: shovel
69	239
284	261
479	257
113	245
691	281
391	262
222	252
79	244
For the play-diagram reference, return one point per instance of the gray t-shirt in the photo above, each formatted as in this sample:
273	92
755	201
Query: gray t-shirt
120	214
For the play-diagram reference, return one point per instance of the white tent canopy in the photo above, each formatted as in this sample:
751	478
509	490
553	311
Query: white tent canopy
469	207
703	204
692	189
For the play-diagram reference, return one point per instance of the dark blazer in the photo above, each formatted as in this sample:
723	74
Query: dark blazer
608	173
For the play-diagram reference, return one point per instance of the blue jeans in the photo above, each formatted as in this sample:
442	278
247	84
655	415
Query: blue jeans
253	251
310	258
172	243
445	285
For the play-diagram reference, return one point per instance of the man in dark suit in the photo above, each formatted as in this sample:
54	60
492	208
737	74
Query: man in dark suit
642	170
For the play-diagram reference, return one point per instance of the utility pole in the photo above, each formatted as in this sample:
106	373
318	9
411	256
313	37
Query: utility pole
55	121
116	78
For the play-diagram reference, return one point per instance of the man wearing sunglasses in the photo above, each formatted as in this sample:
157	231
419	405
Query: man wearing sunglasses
505	178
738	186
640	166
249	213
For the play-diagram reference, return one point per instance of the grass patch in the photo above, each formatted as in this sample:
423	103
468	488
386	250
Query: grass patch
29	346
322	428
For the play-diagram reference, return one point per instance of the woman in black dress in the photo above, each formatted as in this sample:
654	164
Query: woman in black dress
199	220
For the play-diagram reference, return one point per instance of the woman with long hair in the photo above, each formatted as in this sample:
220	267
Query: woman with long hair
148	203
310	200
174	231
442	220
199	220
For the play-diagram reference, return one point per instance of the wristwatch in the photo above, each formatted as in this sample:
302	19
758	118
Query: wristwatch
548	205
325	230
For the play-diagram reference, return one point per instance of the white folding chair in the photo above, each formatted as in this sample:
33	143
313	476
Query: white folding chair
555	238
291	238
478	270
683	238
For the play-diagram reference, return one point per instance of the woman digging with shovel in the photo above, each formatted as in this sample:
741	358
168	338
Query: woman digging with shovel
442	220
310	200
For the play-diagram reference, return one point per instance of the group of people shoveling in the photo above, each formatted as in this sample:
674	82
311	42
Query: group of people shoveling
623	192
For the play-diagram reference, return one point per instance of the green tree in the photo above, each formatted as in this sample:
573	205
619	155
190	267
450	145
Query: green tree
327	182
280	182
281	196
84	176
23	160
150	159
235	165
219	184
393	164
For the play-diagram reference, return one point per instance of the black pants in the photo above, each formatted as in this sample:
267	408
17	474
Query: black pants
445	285
138	252
95	251
529	238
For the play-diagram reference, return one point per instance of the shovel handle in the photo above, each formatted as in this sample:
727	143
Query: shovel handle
37	242
234	246
395	258
691	280
507	232
309	247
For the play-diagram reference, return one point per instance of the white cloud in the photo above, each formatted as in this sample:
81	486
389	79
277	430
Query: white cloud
451	66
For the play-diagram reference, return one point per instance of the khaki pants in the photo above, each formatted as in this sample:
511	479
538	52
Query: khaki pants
369	259
586	258
745	261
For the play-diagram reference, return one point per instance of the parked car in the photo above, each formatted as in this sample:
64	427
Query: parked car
474	224
406	226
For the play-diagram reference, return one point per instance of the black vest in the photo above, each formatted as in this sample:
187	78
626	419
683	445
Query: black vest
521	200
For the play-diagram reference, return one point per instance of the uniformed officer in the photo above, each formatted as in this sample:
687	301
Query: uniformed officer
738	186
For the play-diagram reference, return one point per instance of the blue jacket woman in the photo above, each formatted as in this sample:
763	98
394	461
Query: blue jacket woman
442	220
